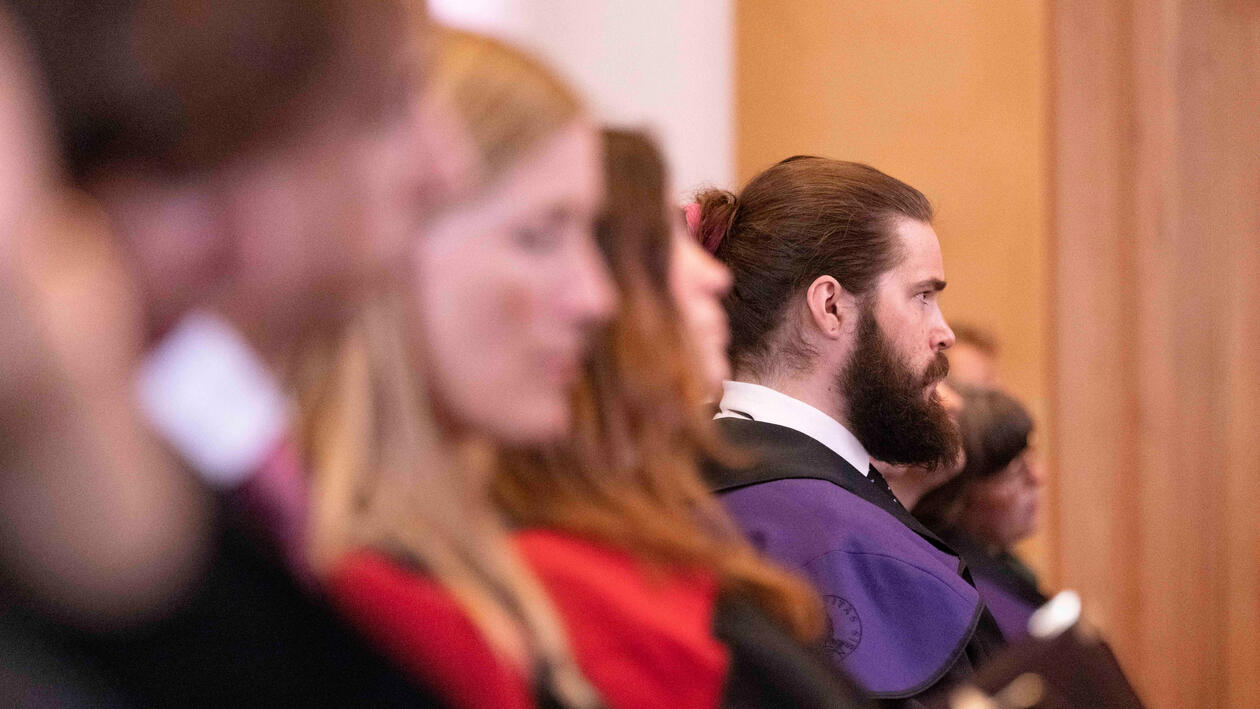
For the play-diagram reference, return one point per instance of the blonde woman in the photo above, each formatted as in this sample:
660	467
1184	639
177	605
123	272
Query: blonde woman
481	351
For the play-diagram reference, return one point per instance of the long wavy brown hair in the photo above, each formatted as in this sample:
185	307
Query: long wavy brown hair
629	475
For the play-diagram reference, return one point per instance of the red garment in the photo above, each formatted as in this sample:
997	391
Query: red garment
418	623
643	637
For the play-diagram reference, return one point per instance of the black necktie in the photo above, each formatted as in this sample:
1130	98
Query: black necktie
878	481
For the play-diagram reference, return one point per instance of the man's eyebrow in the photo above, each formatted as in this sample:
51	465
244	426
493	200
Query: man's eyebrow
932	284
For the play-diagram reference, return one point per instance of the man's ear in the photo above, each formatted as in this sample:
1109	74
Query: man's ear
831	309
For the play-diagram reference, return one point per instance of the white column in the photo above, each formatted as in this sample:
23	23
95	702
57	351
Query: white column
664	65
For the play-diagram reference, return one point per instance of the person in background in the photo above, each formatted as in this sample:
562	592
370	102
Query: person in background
993	504
973	358
837	347
666	604
260	164
910	482
478	350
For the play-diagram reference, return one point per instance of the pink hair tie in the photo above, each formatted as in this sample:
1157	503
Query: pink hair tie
692	213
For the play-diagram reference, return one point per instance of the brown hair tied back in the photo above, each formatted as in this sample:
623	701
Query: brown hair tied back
718	210
802	218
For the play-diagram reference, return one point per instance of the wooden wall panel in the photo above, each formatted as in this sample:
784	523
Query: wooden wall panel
1156	236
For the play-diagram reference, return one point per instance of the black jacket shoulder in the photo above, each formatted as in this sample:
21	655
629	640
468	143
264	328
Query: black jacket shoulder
250	635
771	669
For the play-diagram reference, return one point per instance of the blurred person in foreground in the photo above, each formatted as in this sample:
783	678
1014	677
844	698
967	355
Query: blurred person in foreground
71	338
98	530
836	341
260	163
993	504
478	350
665	603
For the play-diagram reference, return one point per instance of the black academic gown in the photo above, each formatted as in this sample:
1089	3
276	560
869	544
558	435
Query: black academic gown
906	620
249	635
772	670
36	671
1009	588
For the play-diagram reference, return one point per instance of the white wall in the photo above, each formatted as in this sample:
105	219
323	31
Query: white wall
661	64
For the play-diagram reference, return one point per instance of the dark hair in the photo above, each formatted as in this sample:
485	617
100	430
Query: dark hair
800	219
995	429
629	476
176	86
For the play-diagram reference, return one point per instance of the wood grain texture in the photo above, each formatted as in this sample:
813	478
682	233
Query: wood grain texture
1156	236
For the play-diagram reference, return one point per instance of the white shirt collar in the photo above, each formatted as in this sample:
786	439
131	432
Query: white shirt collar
753	401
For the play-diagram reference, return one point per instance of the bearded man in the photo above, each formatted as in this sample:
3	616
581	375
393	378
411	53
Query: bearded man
837	347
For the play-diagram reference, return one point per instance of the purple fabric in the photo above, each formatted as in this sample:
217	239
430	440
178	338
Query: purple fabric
900	613
1010	611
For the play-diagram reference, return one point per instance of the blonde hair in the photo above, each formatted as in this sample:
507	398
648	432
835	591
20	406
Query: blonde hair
385	477
506	100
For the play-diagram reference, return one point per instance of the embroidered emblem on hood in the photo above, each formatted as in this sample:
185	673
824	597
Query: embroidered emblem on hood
844	627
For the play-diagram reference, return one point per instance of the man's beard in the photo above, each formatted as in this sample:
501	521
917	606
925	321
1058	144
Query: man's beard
887	410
